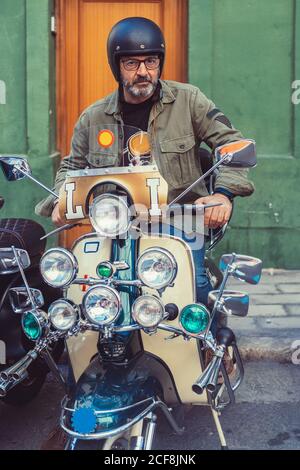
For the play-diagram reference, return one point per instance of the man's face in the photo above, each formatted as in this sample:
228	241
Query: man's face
139	78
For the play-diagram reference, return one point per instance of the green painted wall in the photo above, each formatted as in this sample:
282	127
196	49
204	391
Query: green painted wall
245	56
27	113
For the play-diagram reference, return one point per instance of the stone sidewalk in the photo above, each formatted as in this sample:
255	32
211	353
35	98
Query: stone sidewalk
272	328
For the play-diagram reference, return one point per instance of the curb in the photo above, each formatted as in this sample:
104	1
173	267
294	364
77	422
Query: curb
267	348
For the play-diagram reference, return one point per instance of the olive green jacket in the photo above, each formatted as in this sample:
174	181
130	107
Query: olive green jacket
179	121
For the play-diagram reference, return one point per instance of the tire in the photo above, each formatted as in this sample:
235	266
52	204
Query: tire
25	391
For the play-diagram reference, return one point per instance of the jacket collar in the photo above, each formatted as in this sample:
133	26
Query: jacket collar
113	105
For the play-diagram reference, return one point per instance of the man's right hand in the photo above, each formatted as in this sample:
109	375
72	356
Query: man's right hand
56	219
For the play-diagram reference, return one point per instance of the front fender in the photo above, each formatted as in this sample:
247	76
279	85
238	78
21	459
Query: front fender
114	394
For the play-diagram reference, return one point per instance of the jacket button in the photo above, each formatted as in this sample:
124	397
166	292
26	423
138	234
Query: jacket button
182	146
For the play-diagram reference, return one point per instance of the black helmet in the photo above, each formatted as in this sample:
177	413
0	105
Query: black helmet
134	36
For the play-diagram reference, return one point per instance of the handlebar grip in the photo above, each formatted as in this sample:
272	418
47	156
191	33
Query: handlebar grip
193	209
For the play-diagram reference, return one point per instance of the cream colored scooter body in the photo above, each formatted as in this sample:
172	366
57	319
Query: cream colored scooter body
181	357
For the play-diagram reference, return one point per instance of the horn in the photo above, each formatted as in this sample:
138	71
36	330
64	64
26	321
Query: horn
225	337
4	387
7	385
200	384
22	369
7	373
213	379
14	369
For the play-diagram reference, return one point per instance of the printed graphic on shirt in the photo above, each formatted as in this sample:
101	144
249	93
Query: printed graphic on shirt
138	149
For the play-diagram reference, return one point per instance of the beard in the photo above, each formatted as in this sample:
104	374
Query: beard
137	91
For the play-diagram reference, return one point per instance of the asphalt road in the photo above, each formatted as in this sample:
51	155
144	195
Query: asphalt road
266	415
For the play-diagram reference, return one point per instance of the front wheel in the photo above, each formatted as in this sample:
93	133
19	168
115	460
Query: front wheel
26	390
30	387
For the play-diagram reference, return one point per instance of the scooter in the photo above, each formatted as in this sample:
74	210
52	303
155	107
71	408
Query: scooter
137	339
20	251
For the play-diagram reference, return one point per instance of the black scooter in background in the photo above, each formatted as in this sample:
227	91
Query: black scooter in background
20	238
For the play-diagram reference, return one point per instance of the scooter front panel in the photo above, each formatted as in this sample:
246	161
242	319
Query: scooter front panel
89	250
180	356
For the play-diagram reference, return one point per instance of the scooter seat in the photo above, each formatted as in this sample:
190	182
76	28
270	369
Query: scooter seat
22	233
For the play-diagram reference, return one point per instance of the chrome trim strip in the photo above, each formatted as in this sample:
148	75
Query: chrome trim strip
105	434
125	427
117	170
117	410
82	237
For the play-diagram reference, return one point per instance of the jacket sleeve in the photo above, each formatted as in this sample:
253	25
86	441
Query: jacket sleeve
215	129
76	160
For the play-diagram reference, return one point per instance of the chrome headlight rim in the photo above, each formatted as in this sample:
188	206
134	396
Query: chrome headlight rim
208	313
139	300
173	263
96	227
69	303
118	299
41	319
74	263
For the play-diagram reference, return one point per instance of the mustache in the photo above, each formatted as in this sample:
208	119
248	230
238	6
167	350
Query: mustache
142	79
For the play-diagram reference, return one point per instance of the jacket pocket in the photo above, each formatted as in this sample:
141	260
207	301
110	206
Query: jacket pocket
177	157
102	159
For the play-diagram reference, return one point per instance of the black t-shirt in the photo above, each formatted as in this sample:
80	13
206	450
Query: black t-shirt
137	115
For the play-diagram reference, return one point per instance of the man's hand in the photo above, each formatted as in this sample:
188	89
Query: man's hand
56	219
216	216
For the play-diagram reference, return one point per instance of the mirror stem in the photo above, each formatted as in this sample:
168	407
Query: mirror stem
60	229
38	182
201	178
222	287
24	278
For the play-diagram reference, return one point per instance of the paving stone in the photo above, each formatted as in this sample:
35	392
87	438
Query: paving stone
245	324
254	289
293	309
266	299
289	288
288	277
279	323
268	311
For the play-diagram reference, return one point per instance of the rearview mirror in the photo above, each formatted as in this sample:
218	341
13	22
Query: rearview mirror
14	167
241	153
8	262
231	303
20	301
245	268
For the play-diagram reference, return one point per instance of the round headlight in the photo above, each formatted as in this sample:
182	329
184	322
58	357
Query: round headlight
58	267
156	268
148	311
63	314
101	305
194	318
33	323
109	215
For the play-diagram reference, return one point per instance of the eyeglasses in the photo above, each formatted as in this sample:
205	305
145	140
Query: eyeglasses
151	63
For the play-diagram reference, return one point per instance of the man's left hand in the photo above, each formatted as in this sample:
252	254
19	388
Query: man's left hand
216	216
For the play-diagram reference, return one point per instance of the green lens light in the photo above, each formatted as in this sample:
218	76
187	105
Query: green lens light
194	318
104	270
31	326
